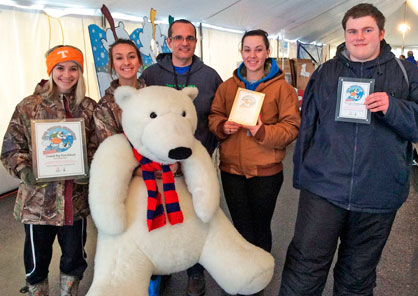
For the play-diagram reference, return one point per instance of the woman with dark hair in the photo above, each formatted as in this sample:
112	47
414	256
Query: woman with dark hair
56	208
251	156
124	60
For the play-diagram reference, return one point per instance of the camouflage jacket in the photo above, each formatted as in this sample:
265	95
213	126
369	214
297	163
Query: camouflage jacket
44	204
107	115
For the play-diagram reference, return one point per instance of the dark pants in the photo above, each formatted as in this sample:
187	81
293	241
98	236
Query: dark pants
251	203
319	225
38	249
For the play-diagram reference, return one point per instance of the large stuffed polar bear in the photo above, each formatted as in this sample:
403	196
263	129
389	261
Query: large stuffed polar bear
159	124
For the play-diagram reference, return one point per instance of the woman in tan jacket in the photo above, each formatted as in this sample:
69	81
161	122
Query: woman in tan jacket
251	156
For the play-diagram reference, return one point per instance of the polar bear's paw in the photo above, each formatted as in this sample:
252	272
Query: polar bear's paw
257	275
205	206
111	221
257	283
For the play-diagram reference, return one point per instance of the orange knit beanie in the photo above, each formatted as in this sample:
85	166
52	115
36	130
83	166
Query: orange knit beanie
63	54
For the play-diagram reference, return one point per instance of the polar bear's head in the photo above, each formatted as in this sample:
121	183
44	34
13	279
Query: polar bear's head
159	121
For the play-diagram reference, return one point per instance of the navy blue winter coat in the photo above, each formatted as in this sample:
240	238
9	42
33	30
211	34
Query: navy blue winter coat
359	167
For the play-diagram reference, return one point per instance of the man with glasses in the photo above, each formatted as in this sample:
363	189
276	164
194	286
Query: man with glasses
179	69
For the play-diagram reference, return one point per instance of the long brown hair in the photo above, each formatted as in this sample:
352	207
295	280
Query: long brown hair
122	41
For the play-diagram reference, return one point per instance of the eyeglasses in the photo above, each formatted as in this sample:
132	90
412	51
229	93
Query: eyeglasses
180	38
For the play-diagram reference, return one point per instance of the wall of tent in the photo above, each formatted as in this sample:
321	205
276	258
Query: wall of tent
28	34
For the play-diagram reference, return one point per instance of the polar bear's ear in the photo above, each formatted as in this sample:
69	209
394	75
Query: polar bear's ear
122	95
191	92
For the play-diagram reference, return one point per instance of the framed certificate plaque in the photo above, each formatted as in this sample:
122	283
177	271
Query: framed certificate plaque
246	107
351	96
59	149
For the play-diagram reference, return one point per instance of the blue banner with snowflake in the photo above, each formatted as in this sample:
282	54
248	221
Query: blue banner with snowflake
143	38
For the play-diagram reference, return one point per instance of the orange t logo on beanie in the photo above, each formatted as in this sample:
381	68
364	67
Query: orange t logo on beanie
64	54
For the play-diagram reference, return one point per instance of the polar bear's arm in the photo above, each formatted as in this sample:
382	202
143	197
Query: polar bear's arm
202	182
110	176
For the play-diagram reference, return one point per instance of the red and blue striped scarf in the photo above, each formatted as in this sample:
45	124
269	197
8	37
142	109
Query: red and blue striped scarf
155	208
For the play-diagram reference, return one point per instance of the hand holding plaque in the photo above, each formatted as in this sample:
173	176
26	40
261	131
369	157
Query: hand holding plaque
378	101
246	107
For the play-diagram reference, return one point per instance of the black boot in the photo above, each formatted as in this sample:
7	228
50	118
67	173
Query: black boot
196	285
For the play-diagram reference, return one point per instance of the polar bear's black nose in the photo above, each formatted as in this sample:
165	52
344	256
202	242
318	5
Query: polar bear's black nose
180	153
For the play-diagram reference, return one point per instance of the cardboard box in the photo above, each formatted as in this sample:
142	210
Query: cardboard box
286	65
304	69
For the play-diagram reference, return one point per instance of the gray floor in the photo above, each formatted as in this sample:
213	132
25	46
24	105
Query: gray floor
397	271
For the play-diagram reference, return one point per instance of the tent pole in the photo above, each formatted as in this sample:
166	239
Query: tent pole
103	22
201	40
278	48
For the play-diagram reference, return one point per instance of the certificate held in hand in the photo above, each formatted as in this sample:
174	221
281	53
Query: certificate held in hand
59	150
246	107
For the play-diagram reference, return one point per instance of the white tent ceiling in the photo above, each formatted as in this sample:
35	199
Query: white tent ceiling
309	21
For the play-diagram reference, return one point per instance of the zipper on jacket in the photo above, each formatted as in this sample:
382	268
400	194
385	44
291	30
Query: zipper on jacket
354	154
240	145
352	168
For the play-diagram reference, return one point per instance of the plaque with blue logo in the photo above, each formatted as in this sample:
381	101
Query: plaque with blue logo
351	95
59	149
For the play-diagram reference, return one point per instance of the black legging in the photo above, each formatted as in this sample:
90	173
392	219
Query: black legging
39	240
251	203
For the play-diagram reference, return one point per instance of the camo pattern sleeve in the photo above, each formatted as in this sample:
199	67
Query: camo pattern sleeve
107	118
44	203
108	115
86	111
16	152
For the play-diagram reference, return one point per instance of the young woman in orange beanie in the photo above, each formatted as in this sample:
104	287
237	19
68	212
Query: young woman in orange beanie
57	208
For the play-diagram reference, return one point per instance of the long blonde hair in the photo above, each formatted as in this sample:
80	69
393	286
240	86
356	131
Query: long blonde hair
79	89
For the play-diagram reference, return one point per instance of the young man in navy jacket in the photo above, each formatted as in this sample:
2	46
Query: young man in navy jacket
353	176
